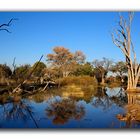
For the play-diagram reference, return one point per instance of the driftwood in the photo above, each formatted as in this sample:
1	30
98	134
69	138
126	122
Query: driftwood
34	87
31	88
47	84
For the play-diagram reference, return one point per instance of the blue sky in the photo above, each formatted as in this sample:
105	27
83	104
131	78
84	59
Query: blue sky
36	33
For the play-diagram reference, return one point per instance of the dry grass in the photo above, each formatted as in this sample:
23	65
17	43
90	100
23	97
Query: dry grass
80	80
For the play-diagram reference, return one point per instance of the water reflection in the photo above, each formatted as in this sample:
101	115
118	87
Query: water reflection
15	109
105	98
64	109
120	98
132	115
101	99
70	107
77	93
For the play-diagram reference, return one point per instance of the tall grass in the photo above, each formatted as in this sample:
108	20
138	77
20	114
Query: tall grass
77	80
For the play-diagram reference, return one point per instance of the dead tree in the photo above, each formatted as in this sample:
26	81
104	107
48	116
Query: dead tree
14	65
4	26
18	88
122	39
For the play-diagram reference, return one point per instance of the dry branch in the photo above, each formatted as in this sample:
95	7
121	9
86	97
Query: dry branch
122	39
3	27
28	76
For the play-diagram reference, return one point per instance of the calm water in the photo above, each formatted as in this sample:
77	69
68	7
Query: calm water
67	108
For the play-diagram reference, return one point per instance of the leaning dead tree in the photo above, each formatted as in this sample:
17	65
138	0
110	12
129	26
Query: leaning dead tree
17	89
122	39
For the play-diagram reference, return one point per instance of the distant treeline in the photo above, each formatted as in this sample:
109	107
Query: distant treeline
63	63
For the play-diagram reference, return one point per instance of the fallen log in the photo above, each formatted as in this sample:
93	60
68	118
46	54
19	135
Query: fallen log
18	88
48	84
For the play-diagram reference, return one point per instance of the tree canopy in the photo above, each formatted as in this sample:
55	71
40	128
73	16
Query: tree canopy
64	60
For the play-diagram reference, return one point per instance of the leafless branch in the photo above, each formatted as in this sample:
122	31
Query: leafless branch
3	27
116	42
131	15
133	50
28	76
9	23
14	65
5	30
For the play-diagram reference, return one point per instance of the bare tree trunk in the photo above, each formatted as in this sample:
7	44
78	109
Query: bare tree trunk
133	76
124	42
103	80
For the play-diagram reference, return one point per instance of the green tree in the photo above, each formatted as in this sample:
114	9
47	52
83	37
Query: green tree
120	68
101	68
84	69
39	70
22	72
5	71
5	74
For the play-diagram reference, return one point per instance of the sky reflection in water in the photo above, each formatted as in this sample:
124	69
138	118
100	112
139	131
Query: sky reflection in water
95	110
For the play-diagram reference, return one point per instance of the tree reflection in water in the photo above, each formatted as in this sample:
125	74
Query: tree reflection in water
17	109
105	100
101	99
132	115
64	109
120	98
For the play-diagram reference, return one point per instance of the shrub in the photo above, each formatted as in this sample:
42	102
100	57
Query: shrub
77	80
